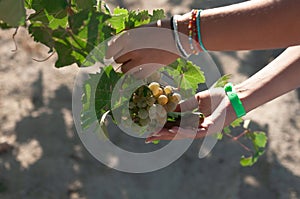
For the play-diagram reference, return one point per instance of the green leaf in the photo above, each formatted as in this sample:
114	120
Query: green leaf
4	25
54	22
236	123
118	19
251	160
28	4
98	91
78	21
222	81
245	162
136	19
39	17
65	56
260	139
37	5
186	74
157	15
42	34
219	136
12	12
85	4
192	76
227	130
155	142
57	8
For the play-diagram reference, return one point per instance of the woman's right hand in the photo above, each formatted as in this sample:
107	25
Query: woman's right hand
213	103
149	47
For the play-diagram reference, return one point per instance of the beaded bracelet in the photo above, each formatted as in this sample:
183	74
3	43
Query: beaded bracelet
192	30
234	100
177	39
199	31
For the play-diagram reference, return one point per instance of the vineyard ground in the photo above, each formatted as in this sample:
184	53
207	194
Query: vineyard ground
47	160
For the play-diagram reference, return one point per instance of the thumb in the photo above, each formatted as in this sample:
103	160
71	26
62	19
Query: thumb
188	105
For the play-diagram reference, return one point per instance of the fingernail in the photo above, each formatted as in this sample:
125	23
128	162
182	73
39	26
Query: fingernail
147	142
172	131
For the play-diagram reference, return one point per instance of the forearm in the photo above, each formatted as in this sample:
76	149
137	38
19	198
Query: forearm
256	24
277	78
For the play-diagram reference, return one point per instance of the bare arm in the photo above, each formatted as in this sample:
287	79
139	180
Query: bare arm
277	78
255	24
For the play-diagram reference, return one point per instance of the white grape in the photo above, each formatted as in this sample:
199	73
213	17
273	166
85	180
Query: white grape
159	93
160	111
131	105
153	86
150	101
175	98
143	114
152	112
168	90
142	104
162	99
144	122
127	123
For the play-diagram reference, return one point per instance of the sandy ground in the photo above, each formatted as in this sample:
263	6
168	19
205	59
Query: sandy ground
43	157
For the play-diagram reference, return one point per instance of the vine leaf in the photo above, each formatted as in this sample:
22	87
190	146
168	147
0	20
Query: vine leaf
97	91
260	139
12	12
190	74
85	4
236	123
222	81
118	19
250	161
157	15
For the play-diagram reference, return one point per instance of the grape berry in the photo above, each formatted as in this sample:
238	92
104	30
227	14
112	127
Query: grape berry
149	104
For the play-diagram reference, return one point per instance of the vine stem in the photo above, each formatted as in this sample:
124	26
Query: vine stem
14	39
237	141
43	60
180	81
241	135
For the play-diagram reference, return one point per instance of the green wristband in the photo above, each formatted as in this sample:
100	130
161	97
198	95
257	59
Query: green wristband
235	100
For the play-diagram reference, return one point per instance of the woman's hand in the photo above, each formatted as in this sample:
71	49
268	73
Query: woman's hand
149	44
149	47
212	103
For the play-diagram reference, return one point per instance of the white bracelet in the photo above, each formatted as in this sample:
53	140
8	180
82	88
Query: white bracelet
177	39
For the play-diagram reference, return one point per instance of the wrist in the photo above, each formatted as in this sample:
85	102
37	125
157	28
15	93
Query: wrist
183	23
244	94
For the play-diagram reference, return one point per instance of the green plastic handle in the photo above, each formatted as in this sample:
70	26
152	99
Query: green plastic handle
234	100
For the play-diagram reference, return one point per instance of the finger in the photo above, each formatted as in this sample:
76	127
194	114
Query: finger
187	105
195	102
164	134
175	133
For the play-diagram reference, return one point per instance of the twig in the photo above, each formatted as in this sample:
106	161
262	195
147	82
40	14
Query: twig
241	135
13	37
237	141
43	60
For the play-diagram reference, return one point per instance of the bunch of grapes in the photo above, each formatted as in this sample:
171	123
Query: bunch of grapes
149	104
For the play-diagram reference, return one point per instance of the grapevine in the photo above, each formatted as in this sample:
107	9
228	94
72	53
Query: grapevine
72	28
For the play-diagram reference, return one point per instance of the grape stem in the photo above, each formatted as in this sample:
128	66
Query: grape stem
235	139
